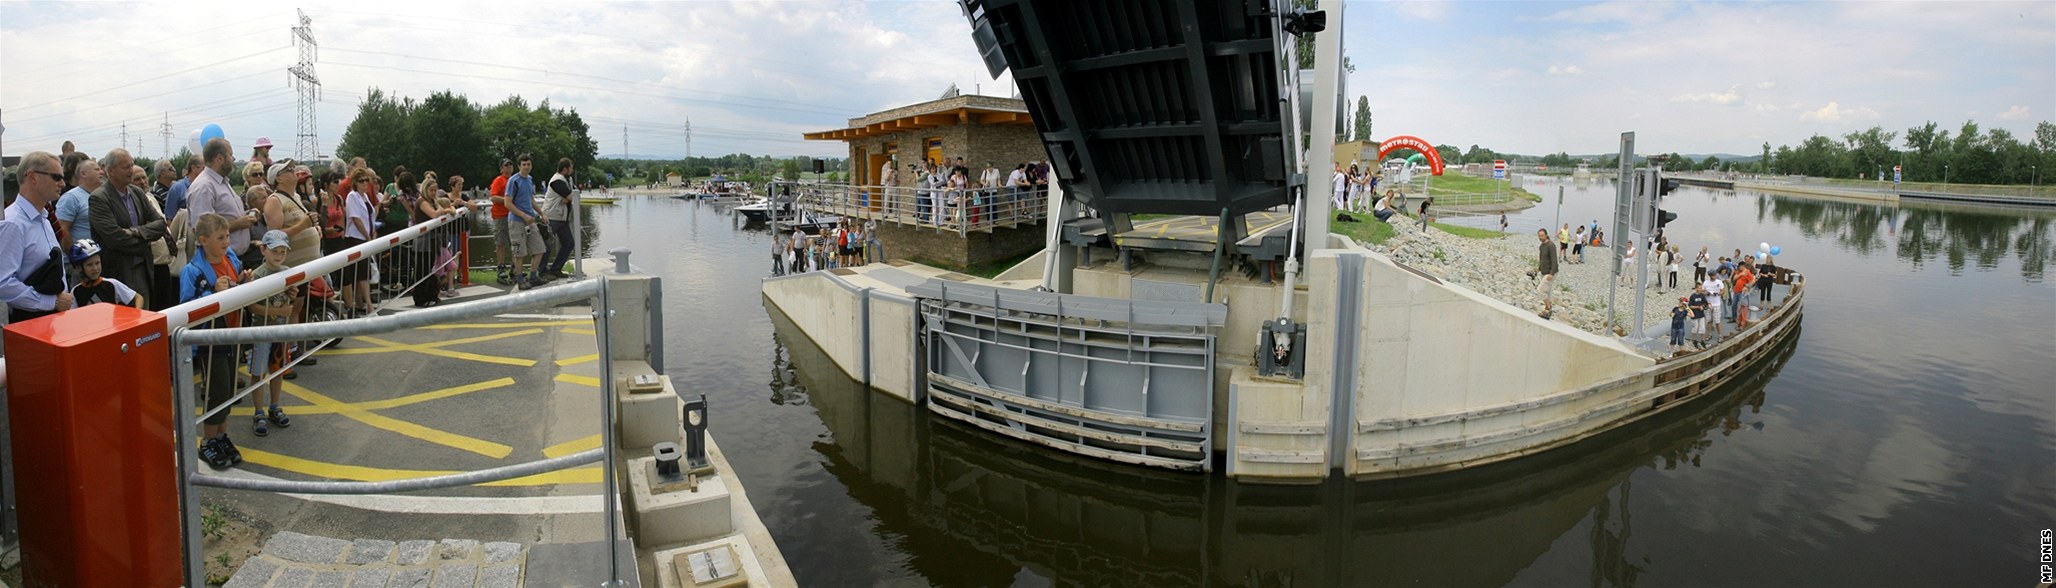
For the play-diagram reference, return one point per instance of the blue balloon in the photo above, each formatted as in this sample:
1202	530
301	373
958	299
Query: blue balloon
211	132
1774	250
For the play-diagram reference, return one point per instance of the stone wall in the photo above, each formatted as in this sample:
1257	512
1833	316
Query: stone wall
947	249
1003	145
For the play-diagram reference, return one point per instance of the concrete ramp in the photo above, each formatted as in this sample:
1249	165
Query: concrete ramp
1431	375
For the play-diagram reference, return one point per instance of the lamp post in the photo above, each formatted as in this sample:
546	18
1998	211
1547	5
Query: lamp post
1945	175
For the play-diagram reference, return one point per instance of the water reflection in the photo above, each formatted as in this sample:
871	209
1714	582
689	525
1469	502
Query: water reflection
1920	233
969	509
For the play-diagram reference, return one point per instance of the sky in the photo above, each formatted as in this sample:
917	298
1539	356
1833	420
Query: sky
1520	77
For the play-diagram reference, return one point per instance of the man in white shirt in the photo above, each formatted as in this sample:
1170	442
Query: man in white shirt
1715	291
27	243
210	194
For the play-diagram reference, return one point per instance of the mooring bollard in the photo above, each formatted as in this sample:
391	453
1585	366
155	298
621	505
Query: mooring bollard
620	259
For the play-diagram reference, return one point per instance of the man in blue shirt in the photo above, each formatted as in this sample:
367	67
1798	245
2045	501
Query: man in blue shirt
525	236
175	200
72	223
26	243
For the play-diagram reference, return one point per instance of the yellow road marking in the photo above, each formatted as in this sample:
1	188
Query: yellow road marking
565	323
390	402
581	331
436	436
436	349
569	361
578	379
579	475
446	343
572	446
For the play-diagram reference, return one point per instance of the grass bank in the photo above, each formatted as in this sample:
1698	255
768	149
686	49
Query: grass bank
1457	188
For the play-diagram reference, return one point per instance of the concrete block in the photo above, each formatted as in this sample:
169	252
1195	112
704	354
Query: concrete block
256	571
297	547
414	553
501	576
457	549
331	579
411	578
364	551
501	552
628	296
675	566
678	517
371	578
456	576
647	415
294	577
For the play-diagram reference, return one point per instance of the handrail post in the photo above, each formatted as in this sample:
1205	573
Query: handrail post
182	429
603	316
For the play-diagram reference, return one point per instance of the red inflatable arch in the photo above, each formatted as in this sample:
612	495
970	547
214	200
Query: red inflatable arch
1414	143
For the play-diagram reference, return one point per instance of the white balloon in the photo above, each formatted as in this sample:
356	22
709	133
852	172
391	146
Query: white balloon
1763	247
193	142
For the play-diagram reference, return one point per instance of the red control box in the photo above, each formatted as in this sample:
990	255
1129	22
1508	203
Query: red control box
90	407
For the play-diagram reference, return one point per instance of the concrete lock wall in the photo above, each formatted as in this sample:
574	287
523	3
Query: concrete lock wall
1446	375
826	312
829	312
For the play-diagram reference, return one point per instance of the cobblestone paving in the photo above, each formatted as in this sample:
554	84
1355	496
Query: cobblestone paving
295	560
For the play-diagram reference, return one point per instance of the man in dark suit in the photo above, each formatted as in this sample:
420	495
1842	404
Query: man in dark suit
130	225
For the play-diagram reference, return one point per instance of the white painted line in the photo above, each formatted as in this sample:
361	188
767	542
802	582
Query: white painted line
456	505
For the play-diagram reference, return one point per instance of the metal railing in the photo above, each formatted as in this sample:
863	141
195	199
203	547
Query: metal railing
959	210
419	256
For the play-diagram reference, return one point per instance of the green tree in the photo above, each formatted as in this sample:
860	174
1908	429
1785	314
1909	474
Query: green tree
1870	150
1362	130
379	134
445	132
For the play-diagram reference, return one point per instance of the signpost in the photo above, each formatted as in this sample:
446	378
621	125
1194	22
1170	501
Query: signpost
1499	169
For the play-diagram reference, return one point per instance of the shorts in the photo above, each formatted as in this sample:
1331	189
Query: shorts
1543	288
354	272
500	231
526	239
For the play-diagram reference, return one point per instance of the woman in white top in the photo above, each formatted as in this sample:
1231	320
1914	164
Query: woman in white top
1341	188
356	230
1671	259
1628	266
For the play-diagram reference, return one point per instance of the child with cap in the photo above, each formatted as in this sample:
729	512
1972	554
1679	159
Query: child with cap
268	357
85	255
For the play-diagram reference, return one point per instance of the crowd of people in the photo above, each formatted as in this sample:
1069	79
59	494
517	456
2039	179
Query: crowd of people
1723	289
846	244
85	231
946	193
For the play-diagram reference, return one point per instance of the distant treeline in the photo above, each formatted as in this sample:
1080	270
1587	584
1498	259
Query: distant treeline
1930	153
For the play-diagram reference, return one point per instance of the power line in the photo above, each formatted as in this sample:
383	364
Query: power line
148	49
134	82
150	97
809	69
575	74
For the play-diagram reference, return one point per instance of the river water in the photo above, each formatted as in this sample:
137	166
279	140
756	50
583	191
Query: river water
1906	437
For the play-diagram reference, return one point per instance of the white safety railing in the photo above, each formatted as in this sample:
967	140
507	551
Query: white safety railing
960	210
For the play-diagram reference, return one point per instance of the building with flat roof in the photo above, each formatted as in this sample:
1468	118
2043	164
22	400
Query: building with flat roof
980	129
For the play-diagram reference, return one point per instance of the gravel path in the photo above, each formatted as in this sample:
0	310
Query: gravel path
1499	268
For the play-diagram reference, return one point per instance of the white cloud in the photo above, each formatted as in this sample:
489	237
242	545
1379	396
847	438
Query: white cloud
1721	98
1766	85
1764	106
1834	112
1568	70
2015	113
